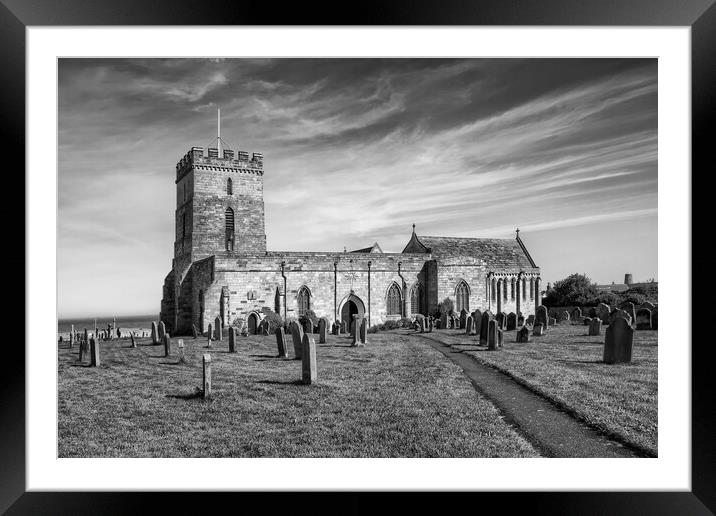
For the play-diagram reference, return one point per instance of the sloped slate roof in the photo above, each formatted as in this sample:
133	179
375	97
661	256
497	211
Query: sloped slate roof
497	252
375	248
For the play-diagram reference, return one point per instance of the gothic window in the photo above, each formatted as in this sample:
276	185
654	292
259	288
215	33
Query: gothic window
462	297
532	288
229	217
304	300
229	187
416	299
394	300
512	289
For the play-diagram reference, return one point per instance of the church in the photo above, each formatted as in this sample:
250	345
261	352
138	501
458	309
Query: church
221	267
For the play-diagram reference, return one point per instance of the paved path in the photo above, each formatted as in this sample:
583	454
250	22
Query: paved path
553	432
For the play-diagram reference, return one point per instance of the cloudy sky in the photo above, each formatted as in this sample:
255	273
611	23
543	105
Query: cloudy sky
356	151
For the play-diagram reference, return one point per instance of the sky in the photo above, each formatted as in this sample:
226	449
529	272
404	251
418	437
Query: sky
355	152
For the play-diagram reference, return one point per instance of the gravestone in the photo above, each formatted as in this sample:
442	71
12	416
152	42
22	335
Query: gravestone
618	342
322	330
564	316
486	318
83	350
538	329
209	335
493	341
648	305
167	344
551	321
431	324
643	319
603	312
94	353
587	321
264	327
180	345
511	321
162	331
308	362
206	363
364	331
421	324
444	324
620	313
232	340
297	336
281	342
334	328
541	317
576	314
155	334
655	319
531	319
218	334
72	336
595	327
629	308
307	325
469	326
463	318
520	320
501	319
194	331
523	335
134	344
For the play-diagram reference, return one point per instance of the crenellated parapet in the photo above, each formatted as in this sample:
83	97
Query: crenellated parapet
238	161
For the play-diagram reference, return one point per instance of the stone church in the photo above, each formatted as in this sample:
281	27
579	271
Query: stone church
221	266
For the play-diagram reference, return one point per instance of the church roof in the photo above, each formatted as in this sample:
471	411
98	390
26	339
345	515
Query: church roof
497	252
375	248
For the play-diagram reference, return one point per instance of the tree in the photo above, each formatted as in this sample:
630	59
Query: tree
575	289
446	306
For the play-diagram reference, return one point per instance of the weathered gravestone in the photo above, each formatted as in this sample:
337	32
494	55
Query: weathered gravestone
494	335
618	342
576	314
322	330
629	308
364	331
648	305
218	334
523	335
564	317
155	334
619	313
94	352
520	320
209	336
167	344
476	320
134	344
469	326
162	331
531	319
541	317
281	342
643	319
297	336
538	329
334	328
587	321
232	340
206	363
307	325
486	318
180	345
84	346
421	324
595	327
511	323
603	312
463	318
308	361
501	319
444	321
72	336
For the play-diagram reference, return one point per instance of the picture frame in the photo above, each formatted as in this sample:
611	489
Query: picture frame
17	15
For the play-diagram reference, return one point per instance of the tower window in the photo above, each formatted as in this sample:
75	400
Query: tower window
393	300
462	297
304	300
229	219
229	187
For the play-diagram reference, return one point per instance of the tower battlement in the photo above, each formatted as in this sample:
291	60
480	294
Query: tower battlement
238	161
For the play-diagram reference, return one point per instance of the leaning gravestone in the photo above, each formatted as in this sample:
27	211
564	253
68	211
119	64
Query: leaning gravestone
94	353
322	330
493	341
155	334
595	327
469	330
538	330
486	318
541	317
511	321
232	340
364	331
643	319
297	336
281	342
167	344
308	361
603	312
162	331
463	318
618	342
501	319
206	363
523	335
218	334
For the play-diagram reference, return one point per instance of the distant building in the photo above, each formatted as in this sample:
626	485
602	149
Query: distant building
623	287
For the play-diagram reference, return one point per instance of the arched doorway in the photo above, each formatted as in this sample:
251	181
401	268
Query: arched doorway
253	323
351	305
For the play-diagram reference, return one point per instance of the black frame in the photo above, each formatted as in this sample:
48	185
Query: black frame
16	15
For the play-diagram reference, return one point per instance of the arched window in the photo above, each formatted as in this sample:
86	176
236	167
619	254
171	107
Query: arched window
524	289
532	288
416	299
462	297
493	290
512	289
229	218
229	187
504	289
393	300
303	300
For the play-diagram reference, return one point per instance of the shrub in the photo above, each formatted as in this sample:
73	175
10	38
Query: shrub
633	297
238	323
574	290
446	306
407	322
373	329
391	325
274	320
310	315
287	323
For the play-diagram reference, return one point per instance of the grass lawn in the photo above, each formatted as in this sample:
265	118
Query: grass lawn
566	366
395	397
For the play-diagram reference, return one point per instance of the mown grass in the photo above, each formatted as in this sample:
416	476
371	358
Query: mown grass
566	366
395	397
